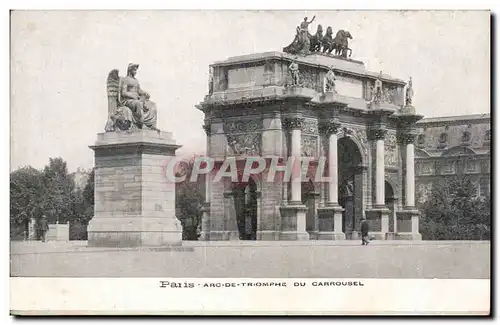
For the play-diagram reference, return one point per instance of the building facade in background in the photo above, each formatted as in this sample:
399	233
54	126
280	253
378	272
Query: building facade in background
451	146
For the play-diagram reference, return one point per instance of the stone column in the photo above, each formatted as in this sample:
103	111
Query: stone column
296	174
379	136
205	210
410	170
330	216
379	214
407	139
293	215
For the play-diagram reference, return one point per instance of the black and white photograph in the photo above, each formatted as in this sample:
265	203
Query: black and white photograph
263	161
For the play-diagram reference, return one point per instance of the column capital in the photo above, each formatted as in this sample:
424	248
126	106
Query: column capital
329	126
407	138
293	122
377	133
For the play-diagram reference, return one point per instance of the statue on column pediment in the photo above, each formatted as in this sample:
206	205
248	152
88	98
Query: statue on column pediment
129	107
330	81
409	93
293	69
377	92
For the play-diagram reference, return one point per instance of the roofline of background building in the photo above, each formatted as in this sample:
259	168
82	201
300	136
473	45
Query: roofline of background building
457	119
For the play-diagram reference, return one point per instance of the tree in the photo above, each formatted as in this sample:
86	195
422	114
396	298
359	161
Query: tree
59	188
454	212
189	197
26	198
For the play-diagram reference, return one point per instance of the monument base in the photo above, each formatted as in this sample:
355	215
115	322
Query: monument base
293	222
134	198
134	231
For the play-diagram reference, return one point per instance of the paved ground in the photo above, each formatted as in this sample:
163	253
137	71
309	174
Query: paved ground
381	259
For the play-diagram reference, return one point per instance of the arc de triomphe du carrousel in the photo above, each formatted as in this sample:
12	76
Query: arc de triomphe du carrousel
311	100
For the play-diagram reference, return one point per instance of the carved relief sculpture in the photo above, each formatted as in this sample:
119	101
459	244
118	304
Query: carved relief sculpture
310	126
309	146
129	107
390	149
243	144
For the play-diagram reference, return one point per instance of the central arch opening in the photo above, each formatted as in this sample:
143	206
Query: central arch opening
350	176
245	200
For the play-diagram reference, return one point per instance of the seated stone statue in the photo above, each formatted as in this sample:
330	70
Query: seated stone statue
129	107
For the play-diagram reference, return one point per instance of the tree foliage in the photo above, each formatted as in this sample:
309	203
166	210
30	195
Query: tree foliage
50	192
454	212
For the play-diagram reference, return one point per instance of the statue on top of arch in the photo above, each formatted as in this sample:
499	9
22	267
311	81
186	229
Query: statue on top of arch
305	43
129	107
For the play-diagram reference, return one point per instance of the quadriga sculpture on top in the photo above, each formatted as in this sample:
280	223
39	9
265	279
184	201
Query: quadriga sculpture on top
305	43
129	107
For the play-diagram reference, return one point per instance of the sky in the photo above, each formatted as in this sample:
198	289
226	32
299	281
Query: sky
60	61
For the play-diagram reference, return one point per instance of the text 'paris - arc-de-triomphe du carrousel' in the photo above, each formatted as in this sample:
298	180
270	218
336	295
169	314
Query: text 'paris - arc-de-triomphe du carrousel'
311	100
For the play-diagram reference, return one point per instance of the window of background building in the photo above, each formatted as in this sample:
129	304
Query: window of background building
487	137
471	166
466	137
443	140
449	167
484	186
421	141
427	168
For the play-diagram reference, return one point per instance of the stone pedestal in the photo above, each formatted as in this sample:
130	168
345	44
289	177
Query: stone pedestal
293	222
134	190
330	223
378	219
409	221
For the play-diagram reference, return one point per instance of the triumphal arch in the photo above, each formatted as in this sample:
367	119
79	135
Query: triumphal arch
311	100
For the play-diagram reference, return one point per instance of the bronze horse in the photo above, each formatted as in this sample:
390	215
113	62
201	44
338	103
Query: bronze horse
315	40
340	43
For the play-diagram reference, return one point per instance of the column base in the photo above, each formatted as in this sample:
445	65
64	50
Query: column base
378	218
330	223
331	235
136	231
293	222
408	220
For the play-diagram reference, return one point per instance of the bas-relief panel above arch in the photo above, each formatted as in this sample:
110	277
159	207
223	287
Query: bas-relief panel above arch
243	137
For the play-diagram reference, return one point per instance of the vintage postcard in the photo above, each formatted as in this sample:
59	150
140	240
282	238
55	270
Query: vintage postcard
250	162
